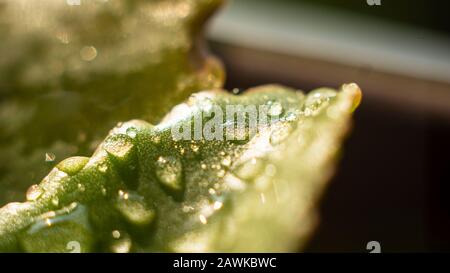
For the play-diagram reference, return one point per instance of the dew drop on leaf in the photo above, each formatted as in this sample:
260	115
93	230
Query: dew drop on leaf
275	109
134	209
291	116
118	146
217	205
33	192
122	245
187	209
55	201
115	234
131	132
316	99
194	148
123	195
72	165
169	172
70	224
203	219
81	187
103	167
226	161
88	53
156	139
235	91
221	173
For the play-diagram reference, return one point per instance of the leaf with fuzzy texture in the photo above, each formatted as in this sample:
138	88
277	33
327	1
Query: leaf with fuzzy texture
144	191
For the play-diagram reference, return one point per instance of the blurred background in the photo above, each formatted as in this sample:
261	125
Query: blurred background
393	182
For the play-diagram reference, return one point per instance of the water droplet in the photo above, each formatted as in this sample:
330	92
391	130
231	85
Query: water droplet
308	112
291	116
119	146
217	205
203	219
203	166
206	104
221	173
55	201
88	53
187	209
103	167
275	109
33	192
81	187
72	206
249	169
72	165
134	209
169	171
132	132
156	139
226	161
50	157
194	148
115	234
40	236
122	245
49	214
317	98
123	195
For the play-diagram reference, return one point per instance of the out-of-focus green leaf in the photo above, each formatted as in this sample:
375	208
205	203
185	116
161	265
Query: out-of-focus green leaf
69	72
144	191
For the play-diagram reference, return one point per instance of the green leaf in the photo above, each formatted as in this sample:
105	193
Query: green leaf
146	190
69	73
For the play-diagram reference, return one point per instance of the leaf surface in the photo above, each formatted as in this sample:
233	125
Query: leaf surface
142	190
